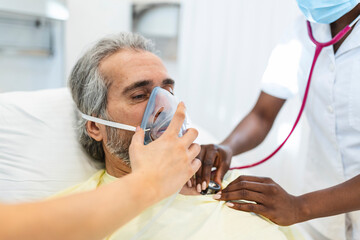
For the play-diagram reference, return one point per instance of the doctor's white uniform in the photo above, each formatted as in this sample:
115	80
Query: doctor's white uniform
333	113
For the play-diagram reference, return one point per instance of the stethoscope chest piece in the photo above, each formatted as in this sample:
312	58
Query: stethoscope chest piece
213	188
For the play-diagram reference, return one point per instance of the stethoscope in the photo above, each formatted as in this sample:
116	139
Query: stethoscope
319	48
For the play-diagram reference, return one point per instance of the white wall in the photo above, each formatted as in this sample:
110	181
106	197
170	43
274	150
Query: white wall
90	20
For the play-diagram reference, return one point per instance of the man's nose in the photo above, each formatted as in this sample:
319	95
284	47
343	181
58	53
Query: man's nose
157	114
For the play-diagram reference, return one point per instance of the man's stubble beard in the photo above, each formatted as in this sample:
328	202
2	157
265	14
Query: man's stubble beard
118	142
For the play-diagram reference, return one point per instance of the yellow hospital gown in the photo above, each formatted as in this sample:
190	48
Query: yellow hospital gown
189	217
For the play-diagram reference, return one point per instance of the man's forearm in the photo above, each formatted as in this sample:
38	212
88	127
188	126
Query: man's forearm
339	199
90	215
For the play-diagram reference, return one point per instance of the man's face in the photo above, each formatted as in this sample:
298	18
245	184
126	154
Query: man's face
132	76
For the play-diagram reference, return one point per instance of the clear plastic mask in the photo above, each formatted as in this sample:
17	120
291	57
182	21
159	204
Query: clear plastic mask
158	114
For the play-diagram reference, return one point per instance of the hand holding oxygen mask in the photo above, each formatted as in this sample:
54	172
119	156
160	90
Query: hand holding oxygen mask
171	158
159	117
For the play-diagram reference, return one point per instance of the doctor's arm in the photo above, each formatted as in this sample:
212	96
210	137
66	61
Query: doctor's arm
282	208
248	134
95	214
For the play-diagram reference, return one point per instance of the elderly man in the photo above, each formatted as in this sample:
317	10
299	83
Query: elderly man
113	81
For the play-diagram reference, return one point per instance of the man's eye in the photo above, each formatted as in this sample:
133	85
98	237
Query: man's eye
139	97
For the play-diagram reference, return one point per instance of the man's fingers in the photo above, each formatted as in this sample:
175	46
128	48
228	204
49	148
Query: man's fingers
253	186
190	136
243	195
248	207
177	121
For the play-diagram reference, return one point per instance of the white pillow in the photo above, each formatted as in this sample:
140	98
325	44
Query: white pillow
39	151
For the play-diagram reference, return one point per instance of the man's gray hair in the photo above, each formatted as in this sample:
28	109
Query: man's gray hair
89	87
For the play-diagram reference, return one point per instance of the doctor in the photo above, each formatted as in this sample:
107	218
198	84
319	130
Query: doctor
332	176
96	214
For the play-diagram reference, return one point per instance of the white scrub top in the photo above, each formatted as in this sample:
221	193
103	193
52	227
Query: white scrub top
333	112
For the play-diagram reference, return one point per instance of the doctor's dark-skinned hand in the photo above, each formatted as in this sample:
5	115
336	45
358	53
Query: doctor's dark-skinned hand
212	155
272	201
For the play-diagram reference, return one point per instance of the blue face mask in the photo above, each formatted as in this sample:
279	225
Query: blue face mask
326	11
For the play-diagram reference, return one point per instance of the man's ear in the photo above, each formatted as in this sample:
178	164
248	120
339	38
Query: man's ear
94	130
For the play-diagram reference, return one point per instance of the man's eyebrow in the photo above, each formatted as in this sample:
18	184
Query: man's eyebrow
139	84
168	81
